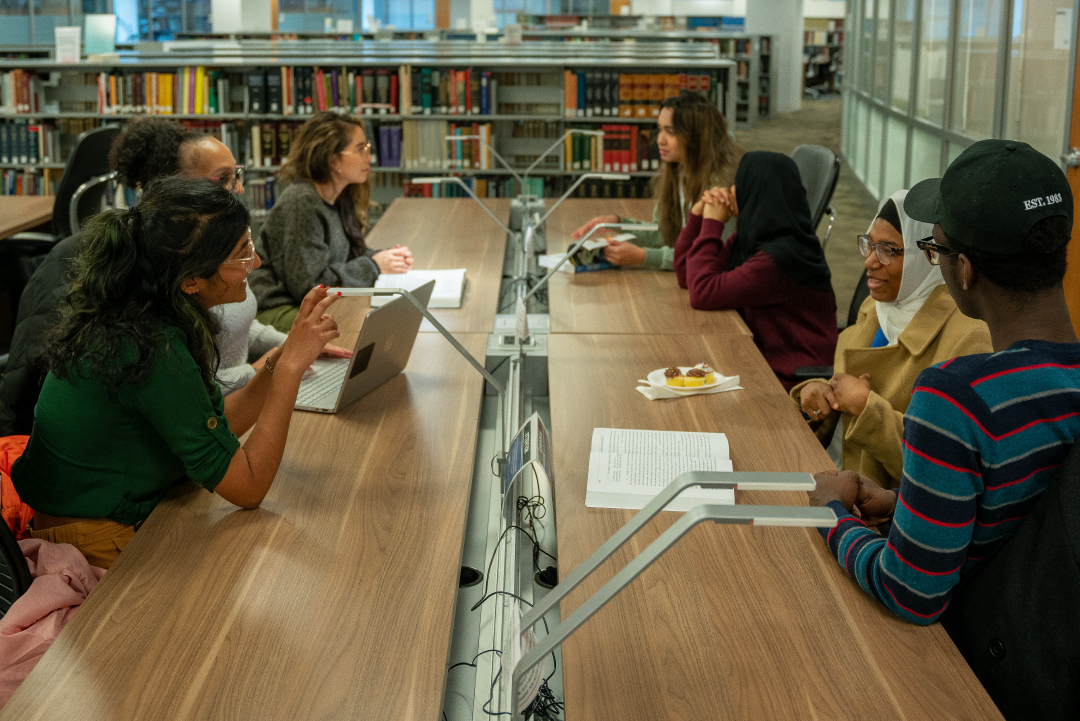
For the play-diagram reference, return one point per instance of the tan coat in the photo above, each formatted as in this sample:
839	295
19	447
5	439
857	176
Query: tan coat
938	332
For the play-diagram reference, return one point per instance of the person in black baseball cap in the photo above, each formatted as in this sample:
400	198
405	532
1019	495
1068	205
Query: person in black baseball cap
983	433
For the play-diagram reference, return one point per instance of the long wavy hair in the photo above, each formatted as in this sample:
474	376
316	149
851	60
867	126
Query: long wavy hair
710	157
128	272
326	134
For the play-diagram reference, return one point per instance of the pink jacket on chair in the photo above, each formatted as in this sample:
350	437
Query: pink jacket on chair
62	580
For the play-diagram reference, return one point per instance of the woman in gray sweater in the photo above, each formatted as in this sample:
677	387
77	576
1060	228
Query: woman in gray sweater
315	232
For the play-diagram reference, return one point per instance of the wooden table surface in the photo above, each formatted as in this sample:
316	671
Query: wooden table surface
733	622
448	233
333	600
23	212
640	301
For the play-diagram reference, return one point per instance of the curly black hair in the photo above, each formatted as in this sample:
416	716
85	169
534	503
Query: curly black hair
148	149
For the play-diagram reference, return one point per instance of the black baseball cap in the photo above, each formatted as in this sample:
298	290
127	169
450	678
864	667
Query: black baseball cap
991	195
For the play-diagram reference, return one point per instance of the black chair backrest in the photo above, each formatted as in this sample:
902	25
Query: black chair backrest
14	573
1016	617
89	159
862	291
819	169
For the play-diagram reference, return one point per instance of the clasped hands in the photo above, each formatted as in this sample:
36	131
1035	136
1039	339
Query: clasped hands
717	203
861	496
844	393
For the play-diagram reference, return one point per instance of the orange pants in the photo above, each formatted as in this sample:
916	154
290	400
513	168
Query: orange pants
99	539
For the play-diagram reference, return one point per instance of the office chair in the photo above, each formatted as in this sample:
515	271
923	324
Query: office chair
862	291
819	169
14	573
78	196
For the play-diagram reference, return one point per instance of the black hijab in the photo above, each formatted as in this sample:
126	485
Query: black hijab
774	217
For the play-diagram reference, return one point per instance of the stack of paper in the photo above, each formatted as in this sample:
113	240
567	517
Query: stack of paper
627	468
449	286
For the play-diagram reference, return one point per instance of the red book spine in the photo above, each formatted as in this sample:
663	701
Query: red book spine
633	132
394	92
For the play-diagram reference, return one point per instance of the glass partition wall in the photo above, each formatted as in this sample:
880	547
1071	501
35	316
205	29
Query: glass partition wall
927	78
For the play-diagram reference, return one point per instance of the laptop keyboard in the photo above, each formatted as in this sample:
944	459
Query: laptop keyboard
320	389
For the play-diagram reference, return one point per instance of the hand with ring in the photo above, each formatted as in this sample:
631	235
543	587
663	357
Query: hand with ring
818	400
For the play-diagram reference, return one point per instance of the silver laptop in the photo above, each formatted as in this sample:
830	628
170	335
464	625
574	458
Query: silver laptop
381	352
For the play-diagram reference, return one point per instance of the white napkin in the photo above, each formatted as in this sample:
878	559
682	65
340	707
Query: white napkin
655	393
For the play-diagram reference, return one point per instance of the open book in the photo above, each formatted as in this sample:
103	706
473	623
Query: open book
627	468
449	286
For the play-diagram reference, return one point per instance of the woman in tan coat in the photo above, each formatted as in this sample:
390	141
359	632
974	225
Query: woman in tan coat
908	323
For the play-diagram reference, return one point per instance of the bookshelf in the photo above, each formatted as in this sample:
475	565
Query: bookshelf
246	93
823	58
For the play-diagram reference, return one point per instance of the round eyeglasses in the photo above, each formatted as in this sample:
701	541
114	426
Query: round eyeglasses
248	260
885	252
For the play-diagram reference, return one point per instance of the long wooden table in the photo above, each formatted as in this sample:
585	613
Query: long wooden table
448	233
335	599
23	212
622	301
734	622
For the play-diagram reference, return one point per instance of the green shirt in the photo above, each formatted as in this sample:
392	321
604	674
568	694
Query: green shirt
93	454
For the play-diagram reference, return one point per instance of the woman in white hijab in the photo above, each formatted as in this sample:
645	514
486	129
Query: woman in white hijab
908	323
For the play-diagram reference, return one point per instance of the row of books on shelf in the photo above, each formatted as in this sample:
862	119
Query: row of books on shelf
601	93
200	90
822	37
29	143
15	182
622	149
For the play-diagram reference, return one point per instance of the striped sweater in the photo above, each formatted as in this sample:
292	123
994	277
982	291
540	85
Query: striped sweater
982	438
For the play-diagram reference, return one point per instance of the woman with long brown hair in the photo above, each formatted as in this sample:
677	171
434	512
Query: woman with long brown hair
696	154
315	232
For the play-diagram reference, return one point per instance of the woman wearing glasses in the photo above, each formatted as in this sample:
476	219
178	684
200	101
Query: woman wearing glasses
908	323
148	149
130	407
315	232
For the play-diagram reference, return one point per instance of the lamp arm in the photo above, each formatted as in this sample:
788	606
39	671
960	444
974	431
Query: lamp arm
494	152
741	480
739	515
463	184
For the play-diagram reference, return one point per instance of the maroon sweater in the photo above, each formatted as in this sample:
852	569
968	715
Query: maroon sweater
793	325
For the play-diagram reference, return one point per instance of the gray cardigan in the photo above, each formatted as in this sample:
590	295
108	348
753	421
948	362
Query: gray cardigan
302	244
240	338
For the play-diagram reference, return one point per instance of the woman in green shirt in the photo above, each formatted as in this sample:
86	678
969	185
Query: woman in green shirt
130	407
696	154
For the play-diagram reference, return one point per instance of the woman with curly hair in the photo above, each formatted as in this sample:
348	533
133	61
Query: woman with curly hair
130	407
315	232
696	154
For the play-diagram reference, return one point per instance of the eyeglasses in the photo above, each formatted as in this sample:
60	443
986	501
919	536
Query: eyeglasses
885	252
249	261
364	148
231	179
933	250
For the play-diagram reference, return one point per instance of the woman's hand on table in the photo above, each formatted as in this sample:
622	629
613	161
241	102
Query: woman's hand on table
818	400
619	252
394	260
312	330
580	232
851	392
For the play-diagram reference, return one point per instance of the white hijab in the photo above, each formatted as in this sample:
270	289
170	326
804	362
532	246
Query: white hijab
919	277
